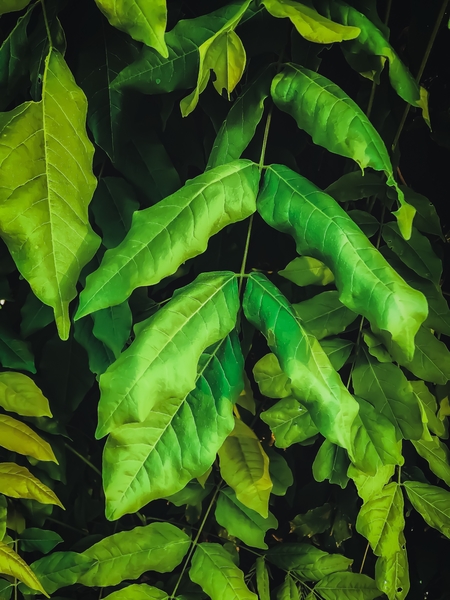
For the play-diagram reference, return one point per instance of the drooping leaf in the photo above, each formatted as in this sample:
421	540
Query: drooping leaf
288	590
437	456
426	218
3	516
60	569
271	380
375	347
309	23
180	438
331	462
246	398
262	579
289	422
144	21
432	502
385	386
392	573
241	522
306	270
292	204
13	565
18	437
15	353
381	521
213	569
33	539
347	586
314	381
307	561
351	135
164	236
12	5
138	591
324	314
18	482
46	186
161	363
429	404
244	466
19	394
370	485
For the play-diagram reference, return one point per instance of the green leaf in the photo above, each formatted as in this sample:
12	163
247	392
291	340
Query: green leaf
271	380
14	352
324	314
426	218
292	204
432	502
331	462
262	579
241	522
13	565
3	516
12	5
375	347
280	473
352	134
99	355
244	466
368	224
392	573
305	270
239	127
289	422
338	350
18	482
316	520
35	315
126	555
308	562
19	394
144	21
347	586
429	404
180	438
381	521
370	485
309	23
314	381
18	437
437	456
61	569
33	539
138	591
417	252
112	326
213	569
356	185
51	187
288	590
385	386
164	236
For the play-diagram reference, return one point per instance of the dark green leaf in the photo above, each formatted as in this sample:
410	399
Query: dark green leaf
289	422
357	185
307	561
288	590
14	352
280	473
35	315
112	326
368	224
331	462
324	314
262	579
41	540
429	404
316	520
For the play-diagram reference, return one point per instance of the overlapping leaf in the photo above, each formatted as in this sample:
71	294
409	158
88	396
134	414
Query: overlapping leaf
430	407
371	485
18	482
18	437
288	590
13	565
437	456
180	438
366	282
19	394
432	502
306	270
324	314
12	5
138	591
307	561
289	422
347	586
271	380
262	579
331	462
164	236
392	573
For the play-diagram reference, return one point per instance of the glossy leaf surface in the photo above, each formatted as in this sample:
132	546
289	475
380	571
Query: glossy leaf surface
306	270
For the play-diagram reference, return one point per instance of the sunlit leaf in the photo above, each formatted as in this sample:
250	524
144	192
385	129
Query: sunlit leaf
338	350
18	437
347	586
437	456
138	591
13	565
280	472
324	314
305	270
271	380
289	422
18	482
392	573
19	394
432	502
370	485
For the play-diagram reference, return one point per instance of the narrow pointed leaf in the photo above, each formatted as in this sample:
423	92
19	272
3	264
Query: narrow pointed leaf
347	586
18	482
314	381
370	485
262	579
19	394
164	236
432	502
138	591
180	438
60	569
289	422
324	314
47	184
288	590
306	270
161	363
322	229
307	561
392	574
13	565
331	462
18	437
437	456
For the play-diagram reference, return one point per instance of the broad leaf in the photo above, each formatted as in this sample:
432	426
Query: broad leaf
338	124
46	186
280	472
381	521
18	437
368	224
112	326
356	185
144	21
307	561
18	482
370	485
262	579
13	565
309	23
314	381
271	380
392	573
33	539
385	386
306	270
324	314
347	586
99	355
164	236
19	394
138	591
241	522
12	5
316	520
331	462
61	569
432	502
244	466
180	438
289	422
437	456
213	569
338	350
322	229
288	590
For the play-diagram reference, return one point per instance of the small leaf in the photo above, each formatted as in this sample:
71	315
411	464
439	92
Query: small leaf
18	437
324	315
347	586
370	485
432	502
138	591
437	456
112	326
331	462
18	482
308	562
289	422
306	270
13	565
213	569
271	380
19	394
35	315
60	569
244	466
288	590
41	540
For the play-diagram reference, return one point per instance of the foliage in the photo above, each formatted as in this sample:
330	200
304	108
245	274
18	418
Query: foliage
223	325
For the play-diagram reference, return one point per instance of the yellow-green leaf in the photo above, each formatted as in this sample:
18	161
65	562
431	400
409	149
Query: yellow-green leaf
7	6
18	482
13	565
19	394
370	485
18	437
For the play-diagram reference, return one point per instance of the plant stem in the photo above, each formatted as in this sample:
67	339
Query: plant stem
364	558
84	459
47	27
374	85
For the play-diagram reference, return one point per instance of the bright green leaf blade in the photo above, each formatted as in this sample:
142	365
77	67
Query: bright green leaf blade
314	381
392	574
18	437
370	485
144	21
289	422
381	520
244	466
309	23
338	350
138	591
61	569
46	186
315	103
432	502
226	57
292	204
18	482
13	565
112	326
15	353
12	5
437	456
306	270
34	539
288	590
271	380
161	363
324	314
385	386
19	394
213	569
426	218
3	516
164	236
429	404
126	555
180	438
241	522
347	586
331	462
307	561
262	579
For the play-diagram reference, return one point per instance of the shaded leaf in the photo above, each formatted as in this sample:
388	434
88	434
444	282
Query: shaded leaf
14	352
306	270
112	326
307	561
99	355
347	586
331	462
437	456
289	422
18	482
280	473
33	539
12	5
356	185
288	590
324	314
19	394
13	565
429	404
18	437
35	315
60	569
262	579
368	224
432	502
316	520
